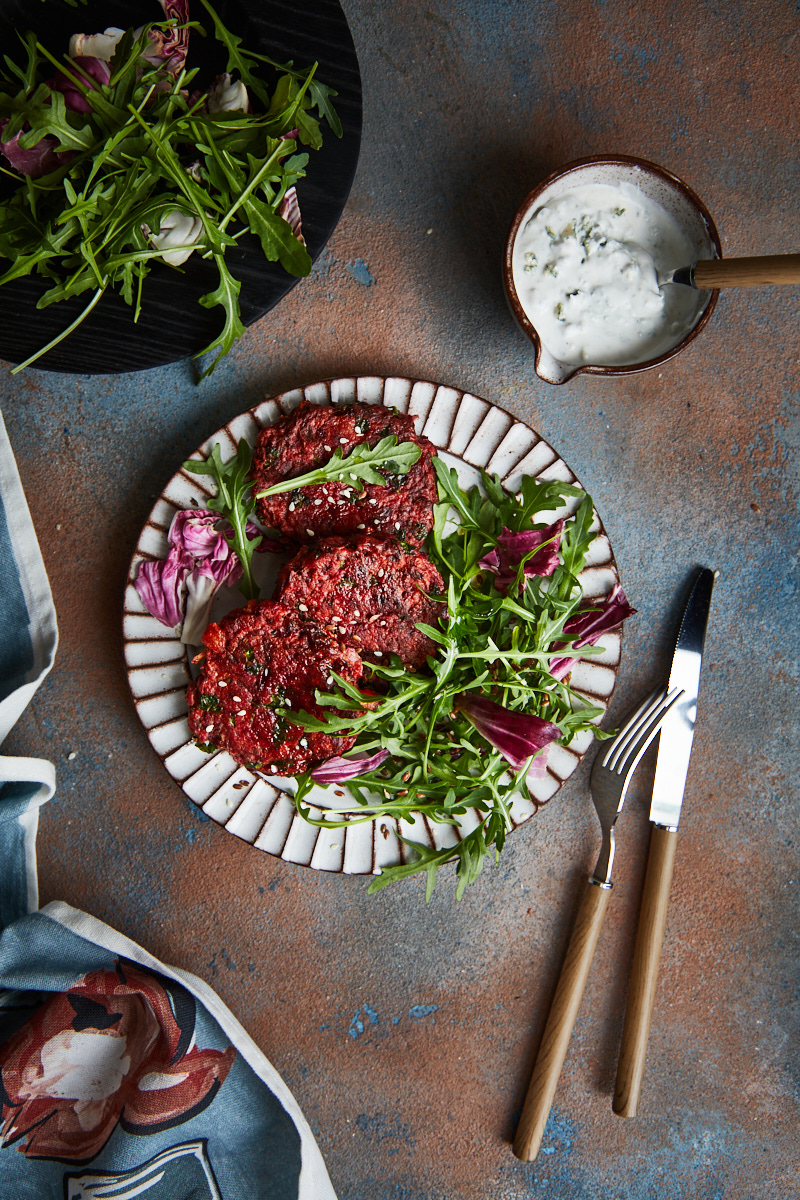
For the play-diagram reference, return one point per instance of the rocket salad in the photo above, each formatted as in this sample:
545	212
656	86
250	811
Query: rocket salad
126	159
454	741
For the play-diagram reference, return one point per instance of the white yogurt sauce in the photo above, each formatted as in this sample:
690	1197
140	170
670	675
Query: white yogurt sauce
585	268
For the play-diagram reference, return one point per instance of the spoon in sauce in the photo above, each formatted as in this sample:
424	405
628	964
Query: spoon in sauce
737	272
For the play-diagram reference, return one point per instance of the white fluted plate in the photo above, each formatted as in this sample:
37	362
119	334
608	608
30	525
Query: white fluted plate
470	434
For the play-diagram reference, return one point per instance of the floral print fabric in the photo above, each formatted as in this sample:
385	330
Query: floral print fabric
115	1048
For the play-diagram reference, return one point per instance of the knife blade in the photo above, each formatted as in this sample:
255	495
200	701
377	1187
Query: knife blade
672	766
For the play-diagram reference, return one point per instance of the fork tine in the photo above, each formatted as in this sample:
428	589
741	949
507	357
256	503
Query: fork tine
632	728
627	766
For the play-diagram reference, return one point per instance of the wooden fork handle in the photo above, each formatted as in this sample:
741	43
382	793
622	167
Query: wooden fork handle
644	973
747	272
561	1020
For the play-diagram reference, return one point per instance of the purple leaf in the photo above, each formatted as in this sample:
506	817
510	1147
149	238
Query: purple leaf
37	160
590	623
99	71
160	586
538	547
339	770
194	530
516	735
290	211
168	47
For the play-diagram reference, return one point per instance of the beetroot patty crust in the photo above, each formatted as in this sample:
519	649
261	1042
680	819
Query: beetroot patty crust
370	591
306	439
259	660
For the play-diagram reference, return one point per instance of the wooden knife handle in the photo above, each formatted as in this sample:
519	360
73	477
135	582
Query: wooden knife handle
747	272
644	974
561	1020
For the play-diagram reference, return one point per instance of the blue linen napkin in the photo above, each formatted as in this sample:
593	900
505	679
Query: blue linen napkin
120	1076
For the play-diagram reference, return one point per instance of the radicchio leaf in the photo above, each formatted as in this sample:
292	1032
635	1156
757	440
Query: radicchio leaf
97	69
587	625
226	95
201	560
168	47
36	161
513	547
339	770
202	585
213	563
290	211
160	586
516	735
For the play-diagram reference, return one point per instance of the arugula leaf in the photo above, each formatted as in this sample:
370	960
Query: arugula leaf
234	503
362	462
489	645
226	295
146	149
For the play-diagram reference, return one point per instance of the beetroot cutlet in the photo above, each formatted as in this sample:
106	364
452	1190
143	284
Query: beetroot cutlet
306	439
369	591
260	659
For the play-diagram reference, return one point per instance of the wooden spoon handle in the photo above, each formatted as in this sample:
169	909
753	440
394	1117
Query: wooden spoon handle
644	974
560	1022
747	272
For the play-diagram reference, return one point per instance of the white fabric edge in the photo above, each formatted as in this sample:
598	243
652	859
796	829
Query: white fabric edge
30	770
315	1182
30	824
33	581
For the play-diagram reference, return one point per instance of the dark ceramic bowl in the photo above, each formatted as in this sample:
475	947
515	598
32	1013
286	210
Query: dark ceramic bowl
656	184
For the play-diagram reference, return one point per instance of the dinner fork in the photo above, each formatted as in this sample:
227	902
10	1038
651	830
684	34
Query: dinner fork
611	774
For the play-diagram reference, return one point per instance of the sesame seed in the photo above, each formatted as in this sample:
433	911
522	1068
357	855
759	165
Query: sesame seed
373	501
373	619
310	532
242	712
383	622
356	612
222	683
343	441
329	681
318	501
236	699
209	728
304	743
361	527
329	448
303	607
379	654
342	629
397	525
288	703
292	507
273	768
381	573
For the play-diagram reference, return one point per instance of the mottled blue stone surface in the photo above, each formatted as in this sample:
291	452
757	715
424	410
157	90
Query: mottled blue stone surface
407	1030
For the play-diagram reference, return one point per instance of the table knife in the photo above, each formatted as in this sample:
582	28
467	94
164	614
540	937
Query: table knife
674	751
